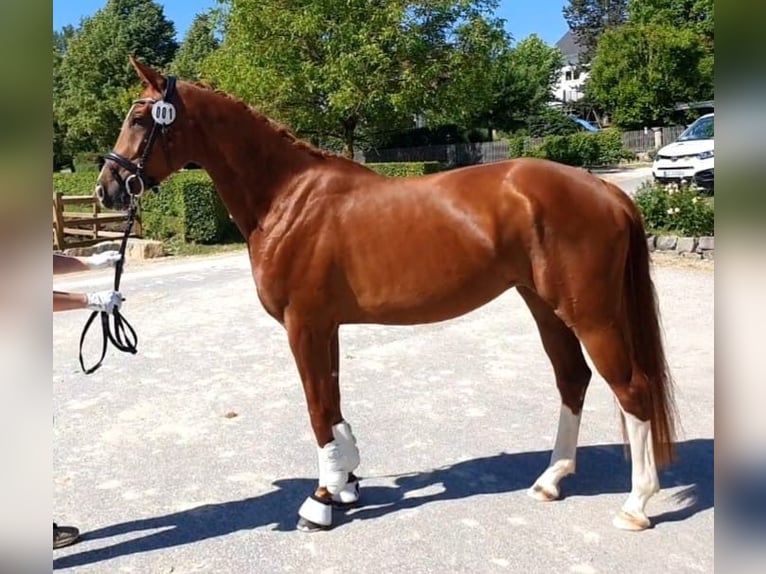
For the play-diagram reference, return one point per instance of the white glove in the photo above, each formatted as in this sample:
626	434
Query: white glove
108	301
102	260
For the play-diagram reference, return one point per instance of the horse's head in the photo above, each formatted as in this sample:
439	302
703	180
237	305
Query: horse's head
151	144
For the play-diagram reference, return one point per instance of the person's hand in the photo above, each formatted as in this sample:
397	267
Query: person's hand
108	301
102	260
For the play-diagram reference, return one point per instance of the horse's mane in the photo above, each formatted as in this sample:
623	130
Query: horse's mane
279	129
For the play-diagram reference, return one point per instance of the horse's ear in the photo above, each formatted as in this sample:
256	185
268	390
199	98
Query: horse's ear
149	76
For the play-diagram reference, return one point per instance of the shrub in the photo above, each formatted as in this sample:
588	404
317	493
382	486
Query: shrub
517	146
610	147
578	149
77	183
404	169
551	122
428	136
186	206
676	209
86	162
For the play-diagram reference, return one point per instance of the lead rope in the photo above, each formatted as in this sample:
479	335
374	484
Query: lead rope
123	337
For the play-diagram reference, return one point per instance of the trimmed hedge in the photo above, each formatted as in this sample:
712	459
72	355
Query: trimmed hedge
186	206
405	169
77	183
578	149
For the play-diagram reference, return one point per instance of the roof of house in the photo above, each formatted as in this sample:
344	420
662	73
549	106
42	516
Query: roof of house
568	45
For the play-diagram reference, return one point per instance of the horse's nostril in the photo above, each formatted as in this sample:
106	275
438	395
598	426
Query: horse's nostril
100	191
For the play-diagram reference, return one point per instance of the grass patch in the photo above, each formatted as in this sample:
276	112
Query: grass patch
176	246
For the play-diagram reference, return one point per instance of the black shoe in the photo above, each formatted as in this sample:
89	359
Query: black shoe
64	536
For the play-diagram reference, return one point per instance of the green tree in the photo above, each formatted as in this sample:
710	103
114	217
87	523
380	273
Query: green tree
96	79
641	70
337	69
523	83
695	14
588	19
61	37
198	44
61	155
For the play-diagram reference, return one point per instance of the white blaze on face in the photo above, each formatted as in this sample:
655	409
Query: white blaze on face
122	129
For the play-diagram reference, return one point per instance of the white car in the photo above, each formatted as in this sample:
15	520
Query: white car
690	157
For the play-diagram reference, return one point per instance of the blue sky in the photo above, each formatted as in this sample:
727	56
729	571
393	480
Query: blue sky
523	17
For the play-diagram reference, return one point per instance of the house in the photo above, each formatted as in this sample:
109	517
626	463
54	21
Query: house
569	87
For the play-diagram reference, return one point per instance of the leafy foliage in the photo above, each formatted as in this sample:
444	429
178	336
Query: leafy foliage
674	209
522	84
185	206
588	19
429	136
95	81
405	169
74	183
662	56
695	14
335	69
198	44
578	149
642	70
551	122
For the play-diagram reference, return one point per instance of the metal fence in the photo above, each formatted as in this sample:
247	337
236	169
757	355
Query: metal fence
638	141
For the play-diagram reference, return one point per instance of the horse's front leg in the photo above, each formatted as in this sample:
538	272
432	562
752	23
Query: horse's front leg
316	356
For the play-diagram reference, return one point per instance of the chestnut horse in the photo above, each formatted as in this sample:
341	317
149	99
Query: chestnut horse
331	242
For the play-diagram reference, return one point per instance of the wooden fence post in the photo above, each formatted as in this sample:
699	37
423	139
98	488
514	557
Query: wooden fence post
58	221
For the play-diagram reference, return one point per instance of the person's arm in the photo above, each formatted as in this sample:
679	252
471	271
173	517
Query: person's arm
108	301
67	264
67	301
70	264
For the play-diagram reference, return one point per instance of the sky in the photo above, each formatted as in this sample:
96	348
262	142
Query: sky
523	17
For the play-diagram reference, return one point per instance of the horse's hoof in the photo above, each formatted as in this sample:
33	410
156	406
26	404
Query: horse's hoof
315	514
543	493
632	522
305	525
348	497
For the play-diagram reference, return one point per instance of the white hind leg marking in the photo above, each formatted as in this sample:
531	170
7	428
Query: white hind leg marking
644	480
562	463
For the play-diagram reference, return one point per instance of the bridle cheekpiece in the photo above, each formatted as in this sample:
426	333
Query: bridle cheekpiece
163	114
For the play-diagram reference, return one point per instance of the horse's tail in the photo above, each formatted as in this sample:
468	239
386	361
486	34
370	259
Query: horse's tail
646	338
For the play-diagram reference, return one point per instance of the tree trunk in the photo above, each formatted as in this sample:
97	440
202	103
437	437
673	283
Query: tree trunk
349	127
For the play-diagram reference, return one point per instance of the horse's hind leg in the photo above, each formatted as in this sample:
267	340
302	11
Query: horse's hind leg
572	378
607	346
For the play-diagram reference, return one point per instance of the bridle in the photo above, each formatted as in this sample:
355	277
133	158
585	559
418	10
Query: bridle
123	336
164	114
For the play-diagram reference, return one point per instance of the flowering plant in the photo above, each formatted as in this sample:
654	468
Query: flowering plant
675	209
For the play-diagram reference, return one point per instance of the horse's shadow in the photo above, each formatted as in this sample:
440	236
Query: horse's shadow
601	469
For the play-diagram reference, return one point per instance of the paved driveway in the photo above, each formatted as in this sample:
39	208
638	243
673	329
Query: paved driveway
194	455
629	179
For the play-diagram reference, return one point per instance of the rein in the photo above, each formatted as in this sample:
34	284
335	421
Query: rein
122	335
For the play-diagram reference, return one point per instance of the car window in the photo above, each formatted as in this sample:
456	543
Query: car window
702	129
